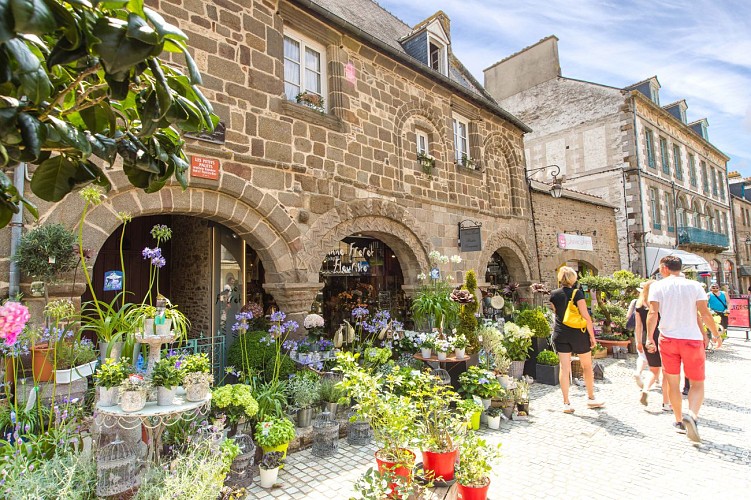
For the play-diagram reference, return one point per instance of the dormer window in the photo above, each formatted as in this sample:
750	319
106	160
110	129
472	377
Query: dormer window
437	55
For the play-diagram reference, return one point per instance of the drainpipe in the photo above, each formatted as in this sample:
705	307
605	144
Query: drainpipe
641	189
675	212
16	224
625	214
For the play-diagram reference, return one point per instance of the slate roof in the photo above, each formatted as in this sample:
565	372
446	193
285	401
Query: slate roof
374	21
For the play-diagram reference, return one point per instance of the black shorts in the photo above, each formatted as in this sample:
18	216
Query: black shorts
653	358
571	342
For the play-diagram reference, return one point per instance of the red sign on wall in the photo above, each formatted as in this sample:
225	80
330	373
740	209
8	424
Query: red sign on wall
204	168
739	315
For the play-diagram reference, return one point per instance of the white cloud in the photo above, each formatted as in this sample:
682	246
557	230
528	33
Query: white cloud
698	50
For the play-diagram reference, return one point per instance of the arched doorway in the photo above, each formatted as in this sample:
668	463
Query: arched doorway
497	273
360	271
210	272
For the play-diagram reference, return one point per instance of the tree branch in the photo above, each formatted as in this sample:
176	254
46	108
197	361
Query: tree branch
59	98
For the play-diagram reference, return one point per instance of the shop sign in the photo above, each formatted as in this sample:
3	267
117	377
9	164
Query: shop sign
204	168
470	237
739	315
217	136
575	242
113	281
354	261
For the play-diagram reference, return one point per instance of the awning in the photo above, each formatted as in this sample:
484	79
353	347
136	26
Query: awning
690	260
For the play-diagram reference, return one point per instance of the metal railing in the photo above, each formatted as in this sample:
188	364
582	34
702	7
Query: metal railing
702	237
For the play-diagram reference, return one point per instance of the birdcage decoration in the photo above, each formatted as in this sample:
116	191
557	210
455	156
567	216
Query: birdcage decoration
244	461
442	375
359	432
325	435
118	468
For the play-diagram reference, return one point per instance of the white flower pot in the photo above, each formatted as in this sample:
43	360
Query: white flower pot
459	353
494	422
486	405
426	352
108	397
441	356
75	373
506	381
165	396
196	392
268	477
132	400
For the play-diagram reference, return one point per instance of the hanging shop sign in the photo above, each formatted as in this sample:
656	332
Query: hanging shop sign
351	262
113	281
204	168
739	315
470	237
575	242
218	136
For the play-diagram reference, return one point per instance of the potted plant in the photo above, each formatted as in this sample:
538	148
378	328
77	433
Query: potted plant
494	417
472	410
481	383
537	322
442	347
467	162
438	429
311	100
236	402
166	377
548	367
302	389
275	434
426	161
74	360
314	324
110	322
46	252
108	378
133	392
330	394
304	352
599	352
517	341
427	342
475	463
460	344
521	396
377	485
197	377
269	467
502	365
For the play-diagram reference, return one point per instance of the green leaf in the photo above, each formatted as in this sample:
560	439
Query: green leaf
6	22
65	52
33	133
54	178
195	75
35	83
5	72
165	29
32	16
89	172
99	119
163	91
117	52
139	30
6	211
181	168
103	147
71	135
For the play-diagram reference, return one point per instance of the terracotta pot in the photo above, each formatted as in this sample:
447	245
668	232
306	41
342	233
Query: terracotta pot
472	493
43	362
439	465
402	470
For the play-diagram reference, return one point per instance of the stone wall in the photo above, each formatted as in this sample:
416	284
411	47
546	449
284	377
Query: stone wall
191	271
571	213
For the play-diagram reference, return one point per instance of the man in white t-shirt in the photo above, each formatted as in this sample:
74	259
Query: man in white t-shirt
682	308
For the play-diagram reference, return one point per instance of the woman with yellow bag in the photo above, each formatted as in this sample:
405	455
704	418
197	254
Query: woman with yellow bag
573	334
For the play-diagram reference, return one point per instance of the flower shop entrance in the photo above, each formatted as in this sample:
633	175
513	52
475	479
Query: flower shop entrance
360	271
210	272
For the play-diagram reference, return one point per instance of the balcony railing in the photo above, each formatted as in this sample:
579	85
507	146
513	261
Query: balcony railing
693	236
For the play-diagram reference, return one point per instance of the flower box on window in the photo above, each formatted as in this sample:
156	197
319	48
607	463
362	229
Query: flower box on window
311	100
426	161
467	162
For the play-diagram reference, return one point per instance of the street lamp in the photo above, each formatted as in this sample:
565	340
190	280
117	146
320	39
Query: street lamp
556	189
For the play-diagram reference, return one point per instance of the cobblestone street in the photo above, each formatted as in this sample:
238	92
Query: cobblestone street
621	451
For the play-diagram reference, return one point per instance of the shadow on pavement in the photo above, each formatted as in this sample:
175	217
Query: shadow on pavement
611	424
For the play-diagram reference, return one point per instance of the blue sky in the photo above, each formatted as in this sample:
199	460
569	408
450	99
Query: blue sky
701	53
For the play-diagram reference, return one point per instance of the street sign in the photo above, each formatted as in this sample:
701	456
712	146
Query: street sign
204	168
739	314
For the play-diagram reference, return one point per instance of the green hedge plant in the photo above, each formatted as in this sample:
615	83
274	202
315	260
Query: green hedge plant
547	357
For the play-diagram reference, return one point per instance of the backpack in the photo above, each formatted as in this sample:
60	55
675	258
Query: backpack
631	321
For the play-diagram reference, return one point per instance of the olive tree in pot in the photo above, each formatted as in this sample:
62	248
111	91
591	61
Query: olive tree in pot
548	367
302	389
46	252
475	464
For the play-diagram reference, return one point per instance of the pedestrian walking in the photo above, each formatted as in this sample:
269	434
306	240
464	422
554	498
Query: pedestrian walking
641	358
718	303
650	347
680	306
568	340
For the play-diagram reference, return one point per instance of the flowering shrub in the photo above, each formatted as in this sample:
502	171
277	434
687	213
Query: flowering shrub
313	321
459	341
13	317
235	401
478	382
517	340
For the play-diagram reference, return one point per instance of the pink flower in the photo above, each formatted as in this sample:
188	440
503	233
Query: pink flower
13	317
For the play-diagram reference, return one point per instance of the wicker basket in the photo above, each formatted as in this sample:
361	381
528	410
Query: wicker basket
600	354
576	368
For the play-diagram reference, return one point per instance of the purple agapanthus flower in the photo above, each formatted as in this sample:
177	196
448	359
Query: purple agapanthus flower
150	253
158	262
277	317
359	312
290	326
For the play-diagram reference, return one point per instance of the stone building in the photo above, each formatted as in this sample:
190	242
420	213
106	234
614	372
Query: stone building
326	106
622	145
740	194
577	230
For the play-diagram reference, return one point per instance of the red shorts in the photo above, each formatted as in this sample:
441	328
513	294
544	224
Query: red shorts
690	352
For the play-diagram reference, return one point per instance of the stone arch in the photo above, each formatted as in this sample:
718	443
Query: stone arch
683	209
392	224
426	116
505	173
514	250
256	217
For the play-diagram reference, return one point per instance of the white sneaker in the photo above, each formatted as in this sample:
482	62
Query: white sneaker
667	407
567	408
595	403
